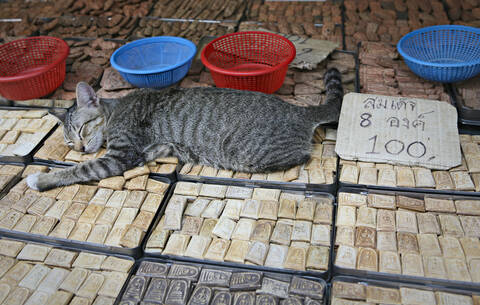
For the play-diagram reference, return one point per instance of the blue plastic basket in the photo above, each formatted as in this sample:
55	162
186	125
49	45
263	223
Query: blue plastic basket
154	62
443	53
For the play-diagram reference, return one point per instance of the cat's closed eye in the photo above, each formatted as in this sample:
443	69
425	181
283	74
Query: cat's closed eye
80	133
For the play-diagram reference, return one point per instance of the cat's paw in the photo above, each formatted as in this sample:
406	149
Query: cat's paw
33	181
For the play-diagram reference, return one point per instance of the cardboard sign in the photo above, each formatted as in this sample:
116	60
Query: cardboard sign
310	52
398	130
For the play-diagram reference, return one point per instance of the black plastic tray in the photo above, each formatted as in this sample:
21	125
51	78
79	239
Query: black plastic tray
54	245
274	274
27	158
14	181
383	276
83	245
396	285
469	129
82	250
323	275
466	115
172	176
406	189
328	188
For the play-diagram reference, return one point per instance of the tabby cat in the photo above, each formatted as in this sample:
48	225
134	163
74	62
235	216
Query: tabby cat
228	129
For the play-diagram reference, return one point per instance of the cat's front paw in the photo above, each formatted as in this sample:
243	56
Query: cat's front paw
34	181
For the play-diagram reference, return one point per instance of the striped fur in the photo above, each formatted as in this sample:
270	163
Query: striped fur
223	128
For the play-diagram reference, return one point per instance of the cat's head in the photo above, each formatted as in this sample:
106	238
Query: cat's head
83	124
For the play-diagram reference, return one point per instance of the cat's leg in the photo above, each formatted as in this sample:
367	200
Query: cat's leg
97	169
155	151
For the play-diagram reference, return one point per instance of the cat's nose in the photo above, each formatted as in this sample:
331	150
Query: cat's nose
80	147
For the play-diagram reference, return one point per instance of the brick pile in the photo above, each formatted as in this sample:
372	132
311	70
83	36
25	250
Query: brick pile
193	31
389	20
464	12
86	62
382	71
320	20
200	10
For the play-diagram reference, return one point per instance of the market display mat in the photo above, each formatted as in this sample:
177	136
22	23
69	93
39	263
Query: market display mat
330	231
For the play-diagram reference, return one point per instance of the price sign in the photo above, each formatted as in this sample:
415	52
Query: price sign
398	130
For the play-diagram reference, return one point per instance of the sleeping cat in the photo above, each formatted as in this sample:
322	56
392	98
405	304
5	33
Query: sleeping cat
224	128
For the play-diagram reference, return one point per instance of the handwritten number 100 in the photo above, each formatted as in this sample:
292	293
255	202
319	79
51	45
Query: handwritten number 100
415	149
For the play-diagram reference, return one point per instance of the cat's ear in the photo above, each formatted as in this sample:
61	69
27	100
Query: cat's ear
86	96
61	114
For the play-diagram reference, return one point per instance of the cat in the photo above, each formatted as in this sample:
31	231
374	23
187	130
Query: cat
230	129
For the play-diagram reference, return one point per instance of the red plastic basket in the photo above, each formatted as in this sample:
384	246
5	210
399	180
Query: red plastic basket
252	60
32	67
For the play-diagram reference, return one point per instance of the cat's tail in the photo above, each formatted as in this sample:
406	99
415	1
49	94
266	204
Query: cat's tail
329	111
334	88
